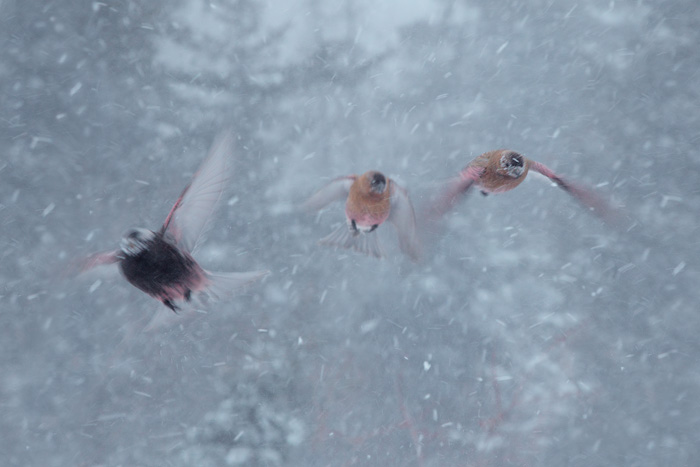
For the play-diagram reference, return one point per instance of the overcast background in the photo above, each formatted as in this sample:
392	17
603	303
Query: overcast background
531	334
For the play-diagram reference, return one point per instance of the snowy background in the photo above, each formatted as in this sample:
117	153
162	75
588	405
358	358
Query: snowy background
531	335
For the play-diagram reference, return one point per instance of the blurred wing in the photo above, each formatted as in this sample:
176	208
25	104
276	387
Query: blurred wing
188	218
455	188
336	190
588	198
98	259
404	219
223	285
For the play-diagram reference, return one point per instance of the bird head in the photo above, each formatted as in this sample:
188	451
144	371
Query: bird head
512	164
135	241
377	182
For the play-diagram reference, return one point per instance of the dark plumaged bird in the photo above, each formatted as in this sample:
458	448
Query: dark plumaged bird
371	199
160	263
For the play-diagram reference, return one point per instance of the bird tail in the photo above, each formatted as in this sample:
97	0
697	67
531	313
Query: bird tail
366	243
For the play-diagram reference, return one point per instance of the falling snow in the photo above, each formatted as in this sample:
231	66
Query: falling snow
530	334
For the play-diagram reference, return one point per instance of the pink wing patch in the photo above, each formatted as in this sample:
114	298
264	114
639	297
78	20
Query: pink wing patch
588	198
188	218
455	189
98	259
77	267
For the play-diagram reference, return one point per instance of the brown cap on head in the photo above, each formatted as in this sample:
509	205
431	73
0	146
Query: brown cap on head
377	182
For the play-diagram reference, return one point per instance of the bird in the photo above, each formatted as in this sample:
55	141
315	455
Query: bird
160	263
371	199
503	170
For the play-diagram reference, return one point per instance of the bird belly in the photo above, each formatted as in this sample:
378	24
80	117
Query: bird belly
365	222
367	212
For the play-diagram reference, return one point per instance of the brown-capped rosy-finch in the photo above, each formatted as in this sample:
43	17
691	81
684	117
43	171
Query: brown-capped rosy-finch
371	199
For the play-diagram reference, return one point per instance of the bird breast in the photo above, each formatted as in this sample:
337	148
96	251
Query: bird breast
365	207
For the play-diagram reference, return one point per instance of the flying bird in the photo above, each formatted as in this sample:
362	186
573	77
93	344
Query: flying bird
502	170
160	263
371	199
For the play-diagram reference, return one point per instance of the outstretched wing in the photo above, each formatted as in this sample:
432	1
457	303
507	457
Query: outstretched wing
337	189
188	218
99	259
223	285
455	189
588	198
403	217
77	267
